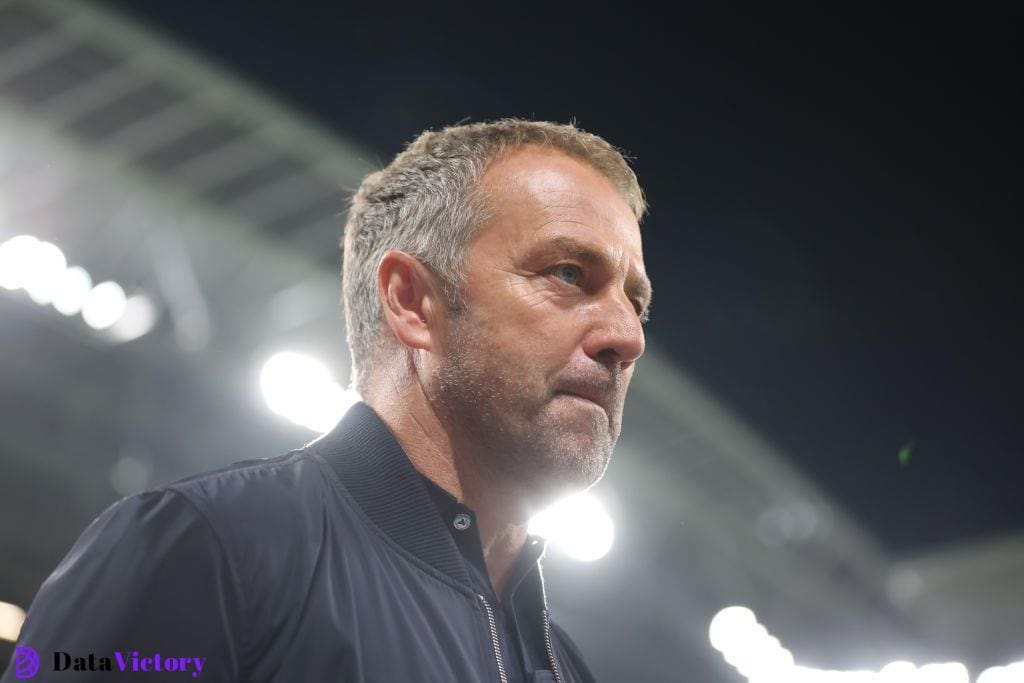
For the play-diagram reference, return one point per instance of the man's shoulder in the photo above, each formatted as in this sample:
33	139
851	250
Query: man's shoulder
261	495
245	475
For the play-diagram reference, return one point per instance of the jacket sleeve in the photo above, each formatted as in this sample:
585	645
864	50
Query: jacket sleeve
149	575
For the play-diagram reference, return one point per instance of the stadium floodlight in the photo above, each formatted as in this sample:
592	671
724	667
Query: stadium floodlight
15	260
44	266
760	658
1011	673
73	287
104	305
138	318
578	524
41	269
946	672
993	674
300	388
897	672
729	622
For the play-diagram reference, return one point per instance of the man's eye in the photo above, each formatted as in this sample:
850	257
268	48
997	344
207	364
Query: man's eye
569	273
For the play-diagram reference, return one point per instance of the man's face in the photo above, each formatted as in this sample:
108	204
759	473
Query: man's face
533	374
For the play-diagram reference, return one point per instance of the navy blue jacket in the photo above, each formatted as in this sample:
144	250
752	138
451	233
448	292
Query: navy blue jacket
329	563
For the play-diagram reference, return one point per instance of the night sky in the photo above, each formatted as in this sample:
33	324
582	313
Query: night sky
834	235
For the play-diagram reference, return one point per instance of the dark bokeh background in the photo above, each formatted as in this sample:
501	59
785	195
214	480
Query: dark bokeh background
834	191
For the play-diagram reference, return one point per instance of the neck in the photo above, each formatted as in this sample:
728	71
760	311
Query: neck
447	460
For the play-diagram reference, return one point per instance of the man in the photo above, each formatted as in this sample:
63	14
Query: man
495	292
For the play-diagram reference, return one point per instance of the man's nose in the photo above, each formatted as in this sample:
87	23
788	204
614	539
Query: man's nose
617	334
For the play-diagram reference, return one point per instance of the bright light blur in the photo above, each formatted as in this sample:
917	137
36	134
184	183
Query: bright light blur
72	288
748	646
11	619
41	269
16	256
104	305
45	263
300	388
138	318
727	624
760	658
30	264
951	672
578	525
897	672
1011	673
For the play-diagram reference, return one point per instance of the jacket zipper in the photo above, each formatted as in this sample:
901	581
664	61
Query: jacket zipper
547	635
547	629
551	652
494	640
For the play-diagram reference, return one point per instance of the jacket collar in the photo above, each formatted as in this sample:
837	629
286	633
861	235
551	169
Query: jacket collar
377	473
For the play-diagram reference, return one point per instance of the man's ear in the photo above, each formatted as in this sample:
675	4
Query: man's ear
409	297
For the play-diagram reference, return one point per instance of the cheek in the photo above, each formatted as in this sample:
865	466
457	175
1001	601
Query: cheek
525	321
550	341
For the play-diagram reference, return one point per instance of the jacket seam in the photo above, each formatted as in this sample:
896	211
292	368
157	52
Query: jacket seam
258	465
238	586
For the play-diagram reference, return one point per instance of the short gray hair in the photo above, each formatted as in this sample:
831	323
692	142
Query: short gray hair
425	204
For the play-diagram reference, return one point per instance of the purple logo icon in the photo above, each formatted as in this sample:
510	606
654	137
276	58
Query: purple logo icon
26	662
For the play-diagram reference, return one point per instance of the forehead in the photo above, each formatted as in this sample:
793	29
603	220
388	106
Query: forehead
539	195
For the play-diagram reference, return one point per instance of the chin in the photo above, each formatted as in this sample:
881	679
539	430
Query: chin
573	463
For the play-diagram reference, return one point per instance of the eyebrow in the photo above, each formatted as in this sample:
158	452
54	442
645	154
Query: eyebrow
637	286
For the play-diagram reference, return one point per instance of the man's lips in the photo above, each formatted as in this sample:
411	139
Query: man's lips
599	401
